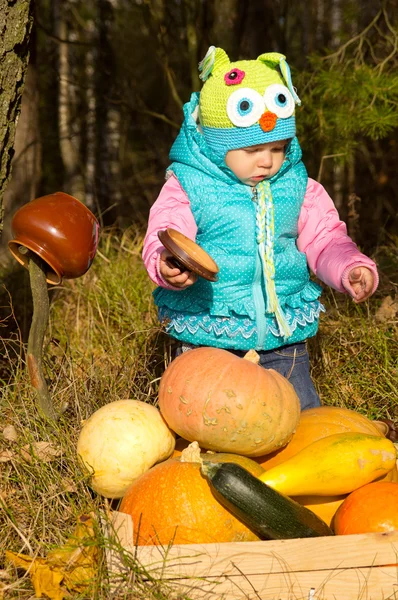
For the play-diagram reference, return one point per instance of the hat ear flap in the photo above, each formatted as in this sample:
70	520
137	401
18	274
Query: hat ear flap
274	59
215	59
285	70
271	58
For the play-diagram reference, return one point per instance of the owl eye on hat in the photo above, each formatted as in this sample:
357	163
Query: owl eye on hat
247	102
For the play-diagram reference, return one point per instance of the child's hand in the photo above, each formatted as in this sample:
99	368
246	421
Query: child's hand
361	282
173	275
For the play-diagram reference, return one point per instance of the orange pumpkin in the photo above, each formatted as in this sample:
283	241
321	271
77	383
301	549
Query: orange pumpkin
317	423
172	502
227	403
372	507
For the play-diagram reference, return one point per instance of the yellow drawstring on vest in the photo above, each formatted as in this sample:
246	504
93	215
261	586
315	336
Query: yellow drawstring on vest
265	238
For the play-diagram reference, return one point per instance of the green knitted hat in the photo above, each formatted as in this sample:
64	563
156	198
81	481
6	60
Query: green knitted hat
245	103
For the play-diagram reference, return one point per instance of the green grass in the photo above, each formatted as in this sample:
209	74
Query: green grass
104	344
355	358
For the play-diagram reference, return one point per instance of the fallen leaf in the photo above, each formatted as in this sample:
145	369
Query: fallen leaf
6	456
45	579
10	433
387	310
70	568
67	485
44	451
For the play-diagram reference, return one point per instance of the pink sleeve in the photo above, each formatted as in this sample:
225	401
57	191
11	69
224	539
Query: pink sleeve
331	253
171	209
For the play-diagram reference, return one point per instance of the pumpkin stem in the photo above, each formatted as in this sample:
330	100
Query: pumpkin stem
252	357
191	454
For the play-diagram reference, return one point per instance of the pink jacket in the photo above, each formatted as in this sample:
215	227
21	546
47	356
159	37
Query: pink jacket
330	252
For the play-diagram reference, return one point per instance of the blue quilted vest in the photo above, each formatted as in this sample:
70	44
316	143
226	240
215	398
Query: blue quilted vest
231	313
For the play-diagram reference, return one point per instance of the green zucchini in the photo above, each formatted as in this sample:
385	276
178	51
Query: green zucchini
268	513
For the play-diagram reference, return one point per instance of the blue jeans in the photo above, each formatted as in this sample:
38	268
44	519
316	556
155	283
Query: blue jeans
292	362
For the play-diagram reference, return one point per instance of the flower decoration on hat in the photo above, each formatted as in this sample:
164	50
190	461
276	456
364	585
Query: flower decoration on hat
234	77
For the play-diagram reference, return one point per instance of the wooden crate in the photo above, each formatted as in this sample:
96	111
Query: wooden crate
352	567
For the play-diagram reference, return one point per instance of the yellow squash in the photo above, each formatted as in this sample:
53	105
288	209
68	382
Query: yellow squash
337	464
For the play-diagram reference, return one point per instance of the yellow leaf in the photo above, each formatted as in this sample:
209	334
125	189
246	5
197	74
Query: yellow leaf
68	568
47	580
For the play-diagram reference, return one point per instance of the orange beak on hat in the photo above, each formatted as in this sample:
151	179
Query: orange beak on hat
268	120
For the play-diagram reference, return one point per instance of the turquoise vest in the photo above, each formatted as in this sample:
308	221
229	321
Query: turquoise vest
231	313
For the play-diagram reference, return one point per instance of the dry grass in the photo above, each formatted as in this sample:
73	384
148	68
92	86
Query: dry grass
104	344
355	354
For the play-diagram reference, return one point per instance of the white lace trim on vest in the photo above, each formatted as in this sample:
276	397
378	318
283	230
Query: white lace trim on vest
234	326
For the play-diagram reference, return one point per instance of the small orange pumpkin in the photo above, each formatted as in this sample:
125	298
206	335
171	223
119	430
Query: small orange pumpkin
172	502
317	423
228	403
372	507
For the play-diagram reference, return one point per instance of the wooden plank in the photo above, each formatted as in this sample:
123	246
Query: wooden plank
263	557
357	567
118	529
375	583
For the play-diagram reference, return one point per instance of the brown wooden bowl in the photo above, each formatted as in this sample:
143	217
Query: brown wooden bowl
61	230
188	253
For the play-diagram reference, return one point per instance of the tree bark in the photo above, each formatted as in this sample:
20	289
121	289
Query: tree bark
24	182
70	139
91	104
191	14
226	26
107	125
15	27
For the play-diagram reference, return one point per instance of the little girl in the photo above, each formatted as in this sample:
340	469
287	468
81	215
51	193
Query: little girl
237	185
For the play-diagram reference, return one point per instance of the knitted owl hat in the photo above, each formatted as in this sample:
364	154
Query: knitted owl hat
245	103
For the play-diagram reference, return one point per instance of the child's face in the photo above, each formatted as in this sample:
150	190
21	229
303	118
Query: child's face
255	163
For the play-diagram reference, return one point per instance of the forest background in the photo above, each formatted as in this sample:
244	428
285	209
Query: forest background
107	80
103	83
102	99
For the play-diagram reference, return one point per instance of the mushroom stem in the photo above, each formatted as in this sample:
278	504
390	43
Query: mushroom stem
37	331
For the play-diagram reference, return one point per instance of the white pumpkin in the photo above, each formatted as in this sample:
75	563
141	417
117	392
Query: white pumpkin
120	441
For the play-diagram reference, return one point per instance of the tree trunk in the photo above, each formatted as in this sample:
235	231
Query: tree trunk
226	26
90	102
23	184
47	65
191	14
107	142
70	139
15	28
